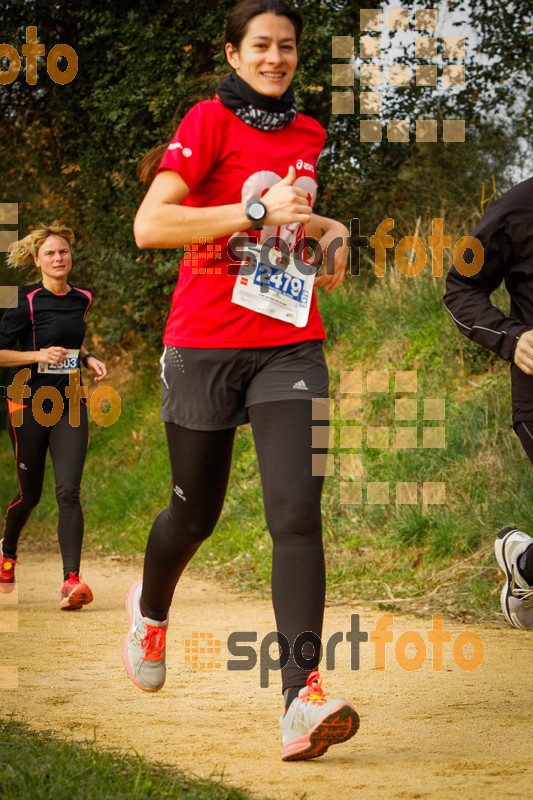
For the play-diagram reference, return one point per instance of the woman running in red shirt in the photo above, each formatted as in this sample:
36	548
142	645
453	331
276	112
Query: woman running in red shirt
244	348
49	324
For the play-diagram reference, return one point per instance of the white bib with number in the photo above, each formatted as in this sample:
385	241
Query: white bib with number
71	362
283	291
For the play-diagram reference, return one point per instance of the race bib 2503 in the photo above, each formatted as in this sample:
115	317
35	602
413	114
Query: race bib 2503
72	361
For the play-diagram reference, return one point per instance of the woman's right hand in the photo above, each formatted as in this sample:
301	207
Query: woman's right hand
286	203
52	355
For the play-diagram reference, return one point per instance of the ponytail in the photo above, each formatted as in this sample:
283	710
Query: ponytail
147	167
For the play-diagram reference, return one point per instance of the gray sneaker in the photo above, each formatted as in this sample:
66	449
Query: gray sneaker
311	724
517	595
143	651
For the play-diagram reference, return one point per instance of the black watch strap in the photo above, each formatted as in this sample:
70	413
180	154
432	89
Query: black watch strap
256	212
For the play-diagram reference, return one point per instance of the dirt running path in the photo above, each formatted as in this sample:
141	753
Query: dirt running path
423	734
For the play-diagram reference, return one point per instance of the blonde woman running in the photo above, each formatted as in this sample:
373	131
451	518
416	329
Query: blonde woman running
44	413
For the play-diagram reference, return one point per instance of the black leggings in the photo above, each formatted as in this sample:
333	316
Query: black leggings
68	447
200	462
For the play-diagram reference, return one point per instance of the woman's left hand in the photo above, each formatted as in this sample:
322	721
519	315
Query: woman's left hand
333	273
98	367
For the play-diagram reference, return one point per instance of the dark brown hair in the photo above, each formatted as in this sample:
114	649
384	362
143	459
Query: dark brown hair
236	28
245	10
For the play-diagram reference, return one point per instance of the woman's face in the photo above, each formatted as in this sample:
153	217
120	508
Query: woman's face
54	258
267	56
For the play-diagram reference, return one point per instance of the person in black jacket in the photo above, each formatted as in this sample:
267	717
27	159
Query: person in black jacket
47	408
506	233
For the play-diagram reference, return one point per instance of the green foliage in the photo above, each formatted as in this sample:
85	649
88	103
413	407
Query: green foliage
77	146
499	72
71	151
393	179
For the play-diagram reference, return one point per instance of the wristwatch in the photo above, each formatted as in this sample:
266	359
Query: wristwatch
256	212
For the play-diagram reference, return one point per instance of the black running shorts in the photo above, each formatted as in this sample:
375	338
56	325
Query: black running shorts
211	389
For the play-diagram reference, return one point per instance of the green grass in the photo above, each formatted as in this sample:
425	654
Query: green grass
36	766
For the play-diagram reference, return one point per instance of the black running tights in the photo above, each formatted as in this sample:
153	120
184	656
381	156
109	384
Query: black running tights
200	462
68	447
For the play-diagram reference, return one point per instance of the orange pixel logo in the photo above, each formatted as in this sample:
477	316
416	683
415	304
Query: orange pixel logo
200	650
402	437
446	55
8	216
203	249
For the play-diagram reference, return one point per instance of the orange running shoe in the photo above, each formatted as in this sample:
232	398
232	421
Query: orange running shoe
74	594
7	572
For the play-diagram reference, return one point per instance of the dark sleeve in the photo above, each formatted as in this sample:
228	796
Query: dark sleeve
467	299
14	322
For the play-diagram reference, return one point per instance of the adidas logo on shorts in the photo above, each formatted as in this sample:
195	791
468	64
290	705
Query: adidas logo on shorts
301	385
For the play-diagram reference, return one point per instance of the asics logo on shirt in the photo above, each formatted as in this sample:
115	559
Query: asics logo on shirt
304	165
187	152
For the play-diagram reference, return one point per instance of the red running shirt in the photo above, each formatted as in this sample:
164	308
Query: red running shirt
223	160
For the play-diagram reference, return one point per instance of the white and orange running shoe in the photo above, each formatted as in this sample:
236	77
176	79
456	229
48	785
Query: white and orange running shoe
311	724
143	651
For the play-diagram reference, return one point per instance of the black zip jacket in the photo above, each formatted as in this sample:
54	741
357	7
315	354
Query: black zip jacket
506	233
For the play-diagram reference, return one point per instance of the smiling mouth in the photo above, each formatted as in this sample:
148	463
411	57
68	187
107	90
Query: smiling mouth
273	75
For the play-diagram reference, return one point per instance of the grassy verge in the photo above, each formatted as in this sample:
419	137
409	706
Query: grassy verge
35	765
423	556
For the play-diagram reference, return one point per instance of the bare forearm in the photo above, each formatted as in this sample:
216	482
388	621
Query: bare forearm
163	220
172	225
18	358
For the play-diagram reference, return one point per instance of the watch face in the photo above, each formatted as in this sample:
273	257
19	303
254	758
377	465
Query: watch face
256	210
